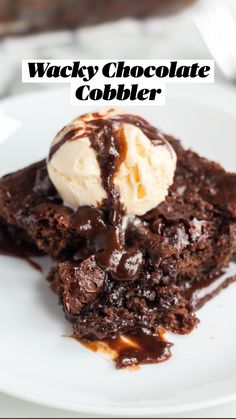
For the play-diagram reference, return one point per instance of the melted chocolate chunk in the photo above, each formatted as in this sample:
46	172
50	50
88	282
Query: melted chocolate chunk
123	265
88	222
81	283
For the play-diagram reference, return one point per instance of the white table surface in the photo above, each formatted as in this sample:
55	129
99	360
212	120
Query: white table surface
177	38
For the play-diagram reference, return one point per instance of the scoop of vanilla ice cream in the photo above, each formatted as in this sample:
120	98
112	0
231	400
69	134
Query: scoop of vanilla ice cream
143	177
75	172
146	173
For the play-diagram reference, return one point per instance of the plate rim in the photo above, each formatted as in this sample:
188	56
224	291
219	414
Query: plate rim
125	411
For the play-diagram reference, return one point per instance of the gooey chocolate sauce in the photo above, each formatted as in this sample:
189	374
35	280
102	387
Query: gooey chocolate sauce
132	350
203	291
107	138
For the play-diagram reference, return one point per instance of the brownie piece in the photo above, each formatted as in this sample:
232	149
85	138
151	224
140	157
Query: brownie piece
79	283
185	240
30	205
124	307
178	254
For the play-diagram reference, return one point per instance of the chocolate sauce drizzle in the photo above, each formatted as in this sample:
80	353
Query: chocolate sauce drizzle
192	293
134	349
100	122
107	138
67	137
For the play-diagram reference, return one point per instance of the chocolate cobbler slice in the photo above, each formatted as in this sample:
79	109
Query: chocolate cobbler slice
187	239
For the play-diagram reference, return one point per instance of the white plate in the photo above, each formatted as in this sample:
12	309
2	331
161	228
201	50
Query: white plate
37	363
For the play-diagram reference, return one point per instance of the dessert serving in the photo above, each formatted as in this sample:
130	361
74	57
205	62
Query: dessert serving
135	225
